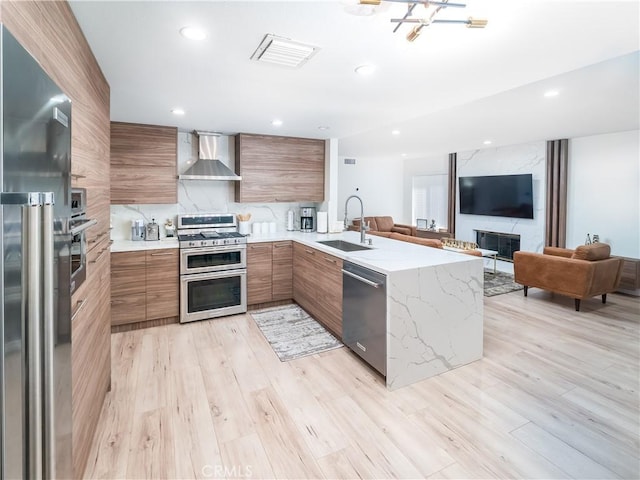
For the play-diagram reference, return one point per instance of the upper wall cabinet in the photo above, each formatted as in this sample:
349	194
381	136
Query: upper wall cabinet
279	169
143	163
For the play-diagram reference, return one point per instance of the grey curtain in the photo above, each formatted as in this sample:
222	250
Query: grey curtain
451	220
556	206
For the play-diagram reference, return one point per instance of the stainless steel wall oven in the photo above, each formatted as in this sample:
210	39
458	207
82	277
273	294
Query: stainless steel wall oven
213	267
78	225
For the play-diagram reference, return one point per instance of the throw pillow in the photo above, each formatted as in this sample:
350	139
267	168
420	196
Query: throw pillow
595	251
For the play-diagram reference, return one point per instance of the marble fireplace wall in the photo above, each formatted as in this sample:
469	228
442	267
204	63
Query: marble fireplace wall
199	196
514	159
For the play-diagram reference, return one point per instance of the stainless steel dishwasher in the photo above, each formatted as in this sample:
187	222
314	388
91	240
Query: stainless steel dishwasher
364	314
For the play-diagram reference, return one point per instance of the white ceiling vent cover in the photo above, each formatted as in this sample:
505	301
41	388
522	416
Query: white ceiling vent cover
283	51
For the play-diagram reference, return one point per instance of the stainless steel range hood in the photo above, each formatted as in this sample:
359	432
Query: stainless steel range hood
208	166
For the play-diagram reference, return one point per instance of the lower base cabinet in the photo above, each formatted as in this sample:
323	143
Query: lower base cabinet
317	286
269	272
144	286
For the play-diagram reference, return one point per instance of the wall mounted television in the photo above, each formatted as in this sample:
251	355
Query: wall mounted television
497	195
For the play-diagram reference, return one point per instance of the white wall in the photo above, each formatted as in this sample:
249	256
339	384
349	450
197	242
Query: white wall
378	181
603	191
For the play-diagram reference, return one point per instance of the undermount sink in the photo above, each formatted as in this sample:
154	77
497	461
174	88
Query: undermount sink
344	246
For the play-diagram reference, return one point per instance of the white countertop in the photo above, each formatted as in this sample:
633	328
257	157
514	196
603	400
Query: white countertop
384	256
142	245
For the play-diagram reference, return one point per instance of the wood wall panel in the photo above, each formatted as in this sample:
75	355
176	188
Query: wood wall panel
50	32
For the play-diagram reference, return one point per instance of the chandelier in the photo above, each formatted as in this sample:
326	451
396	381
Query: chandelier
429	17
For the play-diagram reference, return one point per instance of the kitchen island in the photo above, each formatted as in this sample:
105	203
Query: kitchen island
434	302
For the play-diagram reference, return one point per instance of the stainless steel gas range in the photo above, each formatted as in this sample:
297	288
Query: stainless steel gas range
213	266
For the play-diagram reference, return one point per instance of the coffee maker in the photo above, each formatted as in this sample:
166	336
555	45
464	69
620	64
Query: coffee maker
307	219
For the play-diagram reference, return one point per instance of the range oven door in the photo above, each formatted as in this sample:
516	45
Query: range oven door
212	259
213	294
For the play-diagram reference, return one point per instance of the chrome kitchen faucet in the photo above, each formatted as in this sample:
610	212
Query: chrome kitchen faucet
363	227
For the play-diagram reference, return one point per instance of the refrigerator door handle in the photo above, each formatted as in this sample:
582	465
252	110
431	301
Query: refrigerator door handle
49	337
38	323
33	309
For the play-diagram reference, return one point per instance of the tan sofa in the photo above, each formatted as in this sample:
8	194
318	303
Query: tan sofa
427	242
384	224
585	272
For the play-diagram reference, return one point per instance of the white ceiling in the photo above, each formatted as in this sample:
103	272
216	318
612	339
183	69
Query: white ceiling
450	90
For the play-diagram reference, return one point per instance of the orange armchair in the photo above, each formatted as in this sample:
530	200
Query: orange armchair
585	272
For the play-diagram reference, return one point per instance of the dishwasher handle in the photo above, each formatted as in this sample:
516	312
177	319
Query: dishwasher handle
362	279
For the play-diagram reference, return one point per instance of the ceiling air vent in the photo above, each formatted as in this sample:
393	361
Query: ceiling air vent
283	51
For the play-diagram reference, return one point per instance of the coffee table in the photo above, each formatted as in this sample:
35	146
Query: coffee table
485	253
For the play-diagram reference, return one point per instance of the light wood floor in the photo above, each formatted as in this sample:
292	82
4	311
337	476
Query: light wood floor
555	396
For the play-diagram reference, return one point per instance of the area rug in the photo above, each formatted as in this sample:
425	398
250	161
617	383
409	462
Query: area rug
292	333
499	283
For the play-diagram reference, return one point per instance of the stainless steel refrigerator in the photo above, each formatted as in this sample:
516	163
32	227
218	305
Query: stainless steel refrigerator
35	362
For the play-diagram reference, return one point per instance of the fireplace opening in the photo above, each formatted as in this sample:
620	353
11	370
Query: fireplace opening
503	243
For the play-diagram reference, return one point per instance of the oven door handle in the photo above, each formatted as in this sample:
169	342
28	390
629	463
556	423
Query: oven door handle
83	225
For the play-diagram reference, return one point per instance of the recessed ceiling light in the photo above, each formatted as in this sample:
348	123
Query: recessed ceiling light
276	123
551	93
395	132
365	69
487	142
403	154
323	127
177	111
193	33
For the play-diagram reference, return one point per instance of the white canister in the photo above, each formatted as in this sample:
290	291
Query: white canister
244	228
290	217
323	222
272	227
256	228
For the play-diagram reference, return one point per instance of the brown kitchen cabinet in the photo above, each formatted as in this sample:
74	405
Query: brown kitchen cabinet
143	164
282	275
163	283
269	272
317	286
279	169
144	286
259	273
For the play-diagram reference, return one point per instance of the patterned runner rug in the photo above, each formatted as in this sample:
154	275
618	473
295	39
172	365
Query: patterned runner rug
292	333
499	283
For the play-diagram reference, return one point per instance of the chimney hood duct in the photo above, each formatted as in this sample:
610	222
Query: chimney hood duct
208	167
